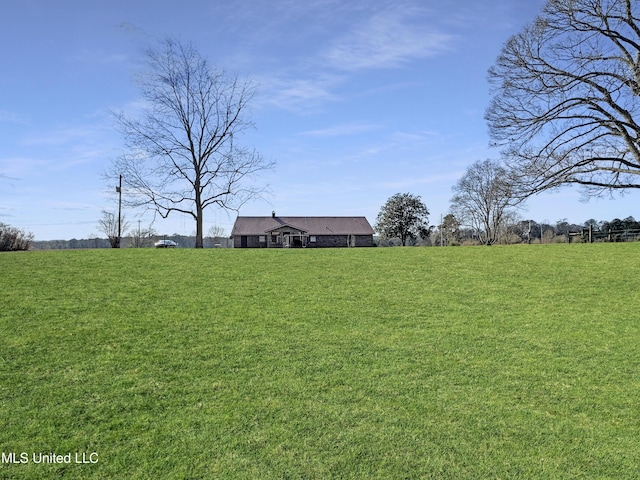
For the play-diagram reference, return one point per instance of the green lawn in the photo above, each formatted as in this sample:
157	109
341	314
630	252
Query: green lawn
471	362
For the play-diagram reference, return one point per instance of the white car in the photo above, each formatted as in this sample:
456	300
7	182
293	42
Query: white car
166	244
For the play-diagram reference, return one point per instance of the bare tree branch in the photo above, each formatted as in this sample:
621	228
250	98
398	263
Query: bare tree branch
565	98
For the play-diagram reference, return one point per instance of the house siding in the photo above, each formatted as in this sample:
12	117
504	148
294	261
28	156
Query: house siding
322	241
331	241
253	241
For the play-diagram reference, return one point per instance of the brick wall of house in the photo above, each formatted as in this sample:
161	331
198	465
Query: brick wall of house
329	241
322	241
252	241
364	241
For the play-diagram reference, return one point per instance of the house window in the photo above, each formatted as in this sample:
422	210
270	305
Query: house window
262	238
275	239
312	239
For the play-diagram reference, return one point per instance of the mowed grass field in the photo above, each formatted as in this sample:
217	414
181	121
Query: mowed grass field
472	362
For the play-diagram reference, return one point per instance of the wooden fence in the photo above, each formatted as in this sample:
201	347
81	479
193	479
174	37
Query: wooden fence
589	235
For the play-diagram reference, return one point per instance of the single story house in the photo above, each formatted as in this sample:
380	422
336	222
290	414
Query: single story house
283	232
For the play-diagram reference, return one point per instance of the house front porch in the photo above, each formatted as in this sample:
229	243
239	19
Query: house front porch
286	237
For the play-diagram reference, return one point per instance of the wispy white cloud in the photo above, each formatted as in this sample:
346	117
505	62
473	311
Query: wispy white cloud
420	136
82	148
303	95
20	166
59	136
11	117
99	57
399	143
70	206
373	37
93	132
311	193
410	182
266	21
5	213
339	40
342	130
387	39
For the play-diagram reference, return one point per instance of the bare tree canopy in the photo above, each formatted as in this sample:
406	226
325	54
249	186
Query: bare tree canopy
565	103
12	238
183	152
484	198
403	216
108	224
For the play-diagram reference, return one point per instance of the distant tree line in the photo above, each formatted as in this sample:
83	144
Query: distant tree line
513	231
130	241
403	221
483	213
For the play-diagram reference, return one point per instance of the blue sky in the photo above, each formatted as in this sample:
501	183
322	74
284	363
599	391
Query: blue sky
359	99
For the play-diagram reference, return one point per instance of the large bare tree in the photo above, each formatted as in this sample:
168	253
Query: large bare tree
483	199
112	227
183	151
566	97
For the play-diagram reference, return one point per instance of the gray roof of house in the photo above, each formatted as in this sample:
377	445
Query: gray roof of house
311	225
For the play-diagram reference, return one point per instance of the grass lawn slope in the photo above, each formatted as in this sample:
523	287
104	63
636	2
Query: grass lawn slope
497	362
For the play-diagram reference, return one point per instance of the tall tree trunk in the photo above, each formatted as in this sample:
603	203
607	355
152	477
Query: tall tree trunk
199	243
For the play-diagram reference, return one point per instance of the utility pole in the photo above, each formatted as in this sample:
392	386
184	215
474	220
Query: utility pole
119	190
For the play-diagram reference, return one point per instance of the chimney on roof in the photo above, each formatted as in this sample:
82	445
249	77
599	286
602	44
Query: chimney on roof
273	214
